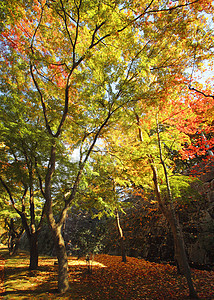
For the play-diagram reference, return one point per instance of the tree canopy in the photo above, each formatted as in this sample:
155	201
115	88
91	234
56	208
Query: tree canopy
74	72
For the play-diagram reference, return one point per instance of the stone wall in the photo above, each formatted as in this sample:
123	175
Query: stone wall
202	219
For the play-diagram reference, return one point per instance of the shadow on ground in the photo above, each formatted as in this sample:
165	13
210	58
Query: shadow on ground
21	283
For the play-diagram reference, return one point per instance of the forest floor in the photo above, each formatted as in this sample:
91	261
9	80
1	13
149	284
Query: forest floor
110	279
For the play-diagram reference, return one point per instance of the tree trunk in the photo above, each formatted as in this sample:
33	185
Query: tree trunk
63	282
17	242
169	212
123	254
59	246
33	240
180	253
122	247
16	247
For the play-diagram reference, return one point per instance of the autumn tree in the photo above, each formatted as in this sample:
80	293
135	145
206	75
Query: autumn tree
7	216
147	149
104	185
18	169
22	154
84	113
166	206
88	62
198	154
168	209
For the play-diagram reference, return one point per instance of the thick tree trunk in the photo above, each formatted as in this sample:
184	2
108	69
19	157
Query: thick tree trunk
32	235
59	245
33	240
63	280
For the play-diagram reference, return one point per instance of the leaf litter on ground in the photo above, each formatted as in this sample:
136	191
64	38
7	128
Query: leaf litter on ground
110	279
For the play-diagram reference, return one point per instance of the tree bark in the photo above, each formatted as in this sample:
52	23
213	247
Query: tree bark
32	235
180	252
33	241
59	245
122	247
63	282
14	237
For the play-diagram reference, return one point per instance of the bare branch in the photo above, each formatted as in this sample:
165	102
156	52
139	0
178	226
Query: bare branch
172	8
39	178
42	100
11	197
94	34
200	92
37	27
66	25
42	217
155	11
77	28
51	169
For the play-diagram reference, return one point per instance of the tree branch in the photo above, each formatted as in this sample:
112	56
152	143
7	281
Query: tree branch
42	101
200	92
37	27
10	195
21	213
65	21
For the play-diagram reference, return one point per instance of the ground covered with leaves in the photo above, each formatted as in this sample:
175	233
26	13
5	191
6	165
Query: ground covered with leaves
109	279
